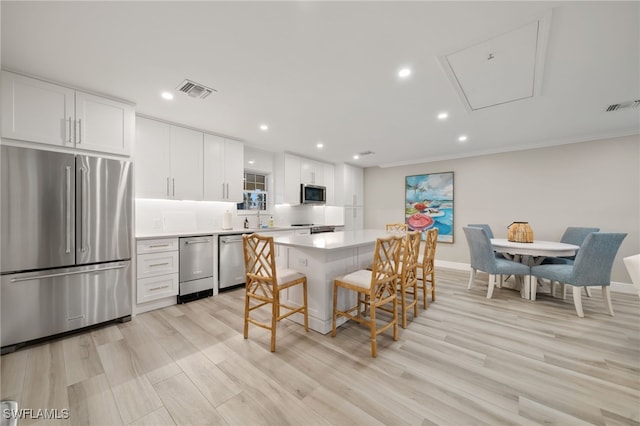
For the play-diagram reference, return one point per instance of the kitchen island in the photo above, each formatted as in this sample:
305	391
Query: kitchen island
322	258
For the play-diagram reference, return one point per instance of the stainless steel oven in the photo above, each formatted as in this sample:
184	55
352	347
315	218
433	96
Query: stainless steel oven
196	268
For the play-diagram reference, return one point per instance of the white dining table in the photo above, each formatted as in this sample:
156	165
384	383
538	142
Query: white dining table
532	254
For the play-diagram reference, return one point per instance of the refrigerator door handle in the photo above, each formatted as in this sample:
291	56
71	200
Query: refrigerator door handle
64	274
68	206
83	208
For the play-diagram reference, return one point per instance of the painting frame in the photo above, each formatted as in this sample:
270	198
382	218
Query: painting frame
429	203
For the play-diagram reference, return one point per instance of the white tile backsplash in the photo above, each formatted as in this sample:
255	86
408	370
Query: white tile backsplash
206	216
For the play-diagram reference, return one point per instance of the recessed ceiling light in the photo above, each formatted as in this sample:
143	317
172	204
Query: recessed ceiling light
167	95
250	161
264	127
319	145
443	116
355	157
404	73
462	138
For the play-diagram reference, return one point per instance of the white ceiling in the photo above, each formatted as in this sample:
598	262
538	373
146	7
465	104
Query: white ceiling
327	71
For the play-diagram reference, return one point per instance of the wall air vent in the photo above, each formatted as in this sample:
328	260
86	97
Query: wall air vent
195	90
624	105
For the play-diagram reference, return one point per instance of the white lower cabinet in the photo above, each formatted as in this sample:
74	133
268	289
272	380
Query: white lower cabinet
157	263
154	288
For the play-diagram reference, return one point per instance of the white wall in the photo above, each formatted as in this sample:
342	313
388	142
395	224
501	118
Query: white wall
584	184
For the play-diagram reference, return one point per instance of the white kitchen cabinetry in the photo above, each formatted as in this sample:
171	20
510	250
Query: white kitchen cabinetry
349	190
223	169
186	164
291	171
37	111
168	161
157	269
311	172
329	183
287	179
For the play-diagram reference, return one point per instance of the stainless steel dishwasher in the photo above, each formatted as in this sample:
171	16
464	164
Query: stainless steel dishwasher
196	268
230	261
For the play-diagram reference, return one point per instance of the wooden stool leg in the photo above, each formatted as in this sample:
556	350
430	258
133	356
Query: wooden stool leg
372	326
306	306
246	316
275	312
335	304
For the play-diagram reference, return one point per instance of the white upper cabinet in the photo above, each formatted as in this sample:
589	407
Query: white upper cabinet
152	159
168	161
291	171
311	172
349	185
186	164
223	169
103	124
287	179
37	111
329	182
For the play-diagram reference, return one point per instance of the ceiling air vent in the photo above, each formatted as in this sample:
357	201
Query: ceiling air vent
195	90
624	105
365	153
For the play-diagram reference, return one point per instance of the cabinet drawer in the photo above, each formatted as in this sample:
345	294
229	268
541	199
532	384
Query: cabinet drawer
154	246
153	288
154	264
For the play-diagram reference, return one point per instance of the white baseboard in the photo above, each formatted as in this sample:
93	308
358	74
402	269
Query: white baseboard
617	287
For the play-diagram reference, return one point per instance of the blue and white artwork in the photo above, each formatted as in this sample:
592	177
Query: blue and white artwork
429	204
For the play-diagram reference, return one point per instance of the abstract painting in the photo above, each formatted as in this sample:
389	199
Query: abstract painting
429	204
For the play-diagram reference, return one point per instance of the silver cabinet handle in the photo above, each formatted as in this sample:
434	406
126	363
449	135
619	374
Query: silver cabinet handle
68	206
80	130
173	180
158	288
227	190
168	193
83	208
70	133
158	245
158	264
64	274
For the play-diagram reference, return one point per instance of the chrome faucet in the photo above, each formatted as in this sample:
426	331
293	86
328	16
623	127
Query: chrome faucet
259	222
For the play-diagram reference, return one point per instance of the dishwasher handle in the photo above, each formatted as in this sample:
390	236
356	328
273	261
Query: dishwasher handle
231	239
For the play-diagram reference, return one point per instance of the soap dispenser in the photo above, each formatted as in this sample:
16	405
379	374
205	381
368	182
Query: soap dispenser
246	223
271	222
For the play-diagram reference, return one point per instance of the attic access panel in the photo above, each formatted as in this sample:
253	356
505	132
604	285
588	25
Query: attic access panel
503	69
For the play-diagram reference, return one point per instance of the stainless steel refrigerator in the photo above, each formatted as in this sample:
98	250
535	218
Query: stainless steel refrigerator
65	236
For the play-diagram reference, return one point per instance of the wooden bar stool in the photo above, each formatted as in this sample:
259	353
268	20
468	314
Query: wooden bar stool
375	288
264	282
427	270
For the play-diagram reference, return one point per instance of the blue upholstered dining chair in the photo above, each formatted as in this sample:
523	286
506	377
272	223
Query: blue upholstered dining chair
484	226
572	235
483	259
592	267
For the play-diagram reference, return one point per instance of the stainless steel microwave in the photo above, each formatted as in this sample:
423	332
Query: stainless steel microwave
312	194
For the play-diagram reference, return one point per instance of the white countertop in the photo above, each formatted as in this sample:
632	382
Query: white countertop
333	240
173	234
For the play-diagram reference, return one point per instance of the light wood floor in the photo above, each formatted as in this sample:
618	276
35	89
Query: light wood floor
464	361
